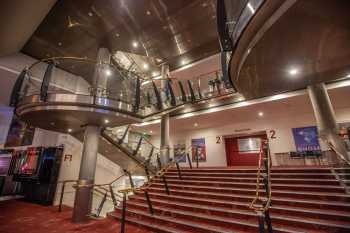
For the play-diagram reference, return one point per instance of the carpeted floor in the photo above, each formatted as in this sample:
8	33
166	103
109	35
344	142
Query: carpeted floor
17	216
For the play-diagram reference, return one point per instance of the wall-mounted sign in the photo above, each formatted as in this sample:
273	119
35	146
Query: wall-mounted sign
67	157
218	139
249	145
306	139
272	134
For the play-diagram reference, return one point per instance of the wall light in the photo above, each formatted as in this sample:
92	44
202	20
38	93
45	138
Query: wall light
69	130
106	121
261	114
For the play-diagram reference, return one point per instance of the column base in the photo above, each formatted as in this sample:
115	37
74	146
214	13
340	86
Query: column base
82	202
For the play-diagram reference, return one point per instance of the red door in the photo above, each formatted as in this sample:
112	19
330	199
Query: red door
235	157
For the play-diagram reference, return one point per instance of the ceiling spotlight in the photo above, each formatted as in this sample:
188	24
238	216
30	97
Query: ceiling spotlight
195	124
106	121
260	114
148	12
145	66
135	44
293	71
69	130
108	72
150	131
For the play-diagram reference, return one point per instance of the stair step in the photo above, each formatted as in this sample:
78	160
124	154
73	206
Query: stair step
219	190
328	175
246	199
182	225
282	209
253	180
305	187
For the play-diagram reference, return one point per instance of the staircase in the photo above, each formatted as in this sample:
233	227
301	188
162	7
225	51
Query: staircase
217	200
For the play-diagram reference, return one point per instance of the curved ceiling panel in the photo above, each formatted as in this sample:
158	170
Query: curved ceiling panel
309	43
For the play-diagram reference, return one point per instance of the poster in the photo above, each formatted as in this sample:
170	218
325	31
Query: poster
199	146
20	134
344	129
180	153
306	139
249	145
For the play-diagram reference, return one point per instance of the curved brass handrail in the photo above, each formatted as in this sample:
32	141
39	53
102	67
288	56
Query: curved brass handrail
267	205
338	153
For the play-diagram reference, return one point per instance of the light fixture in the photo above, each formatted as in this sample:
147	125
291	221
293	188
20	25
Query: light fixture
183	62
260	114
251	8
148	12
150	131
108	72
59	43
293	71
348	75
106	121
69	130
145	66
135	44
195	124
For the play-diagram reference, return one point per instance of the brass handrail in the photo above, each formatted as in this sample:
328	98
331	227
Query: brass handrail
338	153
265	207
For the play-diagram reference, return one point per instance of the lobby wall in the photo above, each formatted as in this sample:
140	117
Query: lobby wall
282	144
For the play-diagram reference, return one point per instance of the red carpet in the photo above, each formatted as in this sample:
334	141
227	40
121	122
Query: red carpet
21	217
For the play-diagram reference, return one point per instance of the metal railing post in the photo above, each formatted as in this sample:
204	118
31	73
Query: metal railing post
61	197
193	97
172	95
197	157
159	162
114	200
165	185
138	146
147	172
16	90
183	93
189	160
46	82
137	95
124	135
178	170
261	222
99	209
268	222
150	208
158	97
130	178
122	224
150	154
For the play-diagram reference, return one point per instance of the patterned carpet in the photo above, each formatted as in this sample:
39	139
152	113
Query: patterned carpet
23	217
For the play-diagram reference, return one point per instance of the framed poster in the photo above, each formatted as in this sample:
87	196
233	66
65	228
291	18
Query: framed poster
20	134
306	139
249	145
180	153
198	147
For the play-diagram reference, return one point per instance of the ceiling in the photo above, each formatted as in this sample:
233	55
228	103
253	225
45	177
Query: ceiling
244	115
176	32
308	43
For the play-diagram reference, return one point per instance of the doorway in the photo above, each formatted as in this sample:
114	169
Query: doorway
243	150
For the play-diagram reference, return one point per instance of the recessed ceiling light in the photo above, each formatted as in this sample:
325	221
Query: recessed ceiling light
59	43
148	12
69	130
145	66
108	72
117	35
260	114
90	14
195	124
150	131
135	44
106	121
293	71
